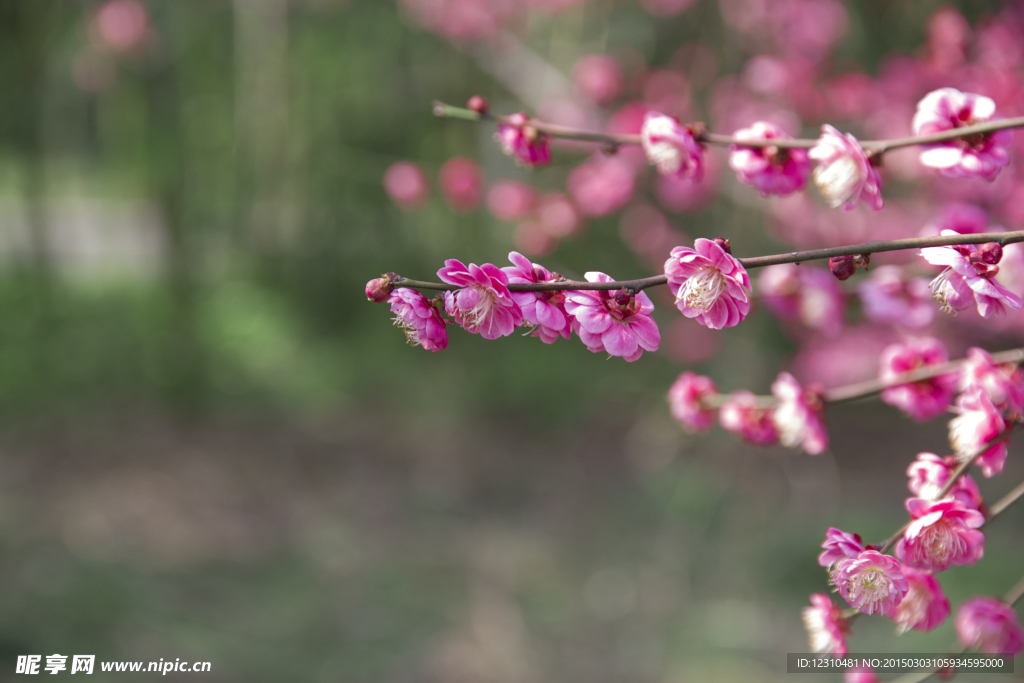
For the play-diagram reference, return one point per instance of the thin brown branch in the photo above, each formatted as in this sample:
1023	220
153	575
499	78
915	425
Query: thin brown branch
1003	503
1014	595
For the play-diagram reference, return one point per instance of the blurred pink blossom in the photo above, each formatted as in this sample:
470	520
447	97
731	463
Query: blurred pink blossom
924	607
683	196
804	293
1003	384
872	583
121	25
798	417
558	215
949	35
613	321
419	319
709	284
808	27
524	143
667	91
462	20
461	184
930	473
839	545
598	77
483	305
844	174
687	401
511	200
826	627
989	625
981	155
671	147
850	357
977	424
889	297
649	234
742	415
964	219
941	534
601	185
544	311
771	170
533	238
924	399
689	343
860	674
406	185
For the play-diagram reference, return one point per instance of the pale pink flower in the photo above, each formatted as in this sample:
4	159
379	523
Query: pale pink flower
1003	384
941	534
406	185
844	174
544	311
687	401
671	147
771	170
872	583
924	606
524	143
970	271
461	184
839	545
709	284
511	200
978	423
890	298
558	215
977	156
613	321
924	399
811	295
599	77
798	417
929	474
826	627
484	305
419	319
601	185
989	625
743	415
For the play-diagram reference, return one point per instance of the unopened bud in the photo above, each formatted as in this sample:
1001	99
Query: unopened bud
991	253
724	244
479	104
843	267
985	270
622	297
379	289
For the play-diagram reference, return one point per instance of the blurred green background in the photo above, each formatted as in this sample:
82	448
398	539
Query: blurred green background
213	448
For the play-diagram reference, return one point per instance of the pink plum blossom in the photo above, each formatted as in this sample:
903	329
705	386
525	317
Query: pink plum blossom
1003	384
544	311
406	185
599	77
965	219
743	415
601	185
798	417
771	170
419	319
613	321
844	174
941	534
839	545
924	606
524	143
929	474
826	627
687	400
924	399
978	423
511	200
709	284
811	295
969	272
976	156
671	147
872	583
483	305
461	184
990	625
888	297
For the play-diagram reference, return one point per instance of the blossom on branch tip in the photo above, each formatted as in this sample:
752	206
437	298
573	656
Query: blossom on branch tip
616	322
941	534
924	399
742	415
839	545
709	284
521	141
798	417
544	311
872	583
978	423
771	170
929	474
671	147
686	399
419	318
968	273
924	606
1003	384
844	174
826	627
982	155
483	305
990	625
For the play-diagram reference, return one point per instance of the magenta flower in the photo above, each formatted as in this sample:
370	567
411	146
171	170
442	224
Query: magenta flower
924	399
941	534
844	174
615	322
743	415
709	284
379	289
860	674
924	606
798	417
687	400
970	271
989	625
671	147
975	156
826	627
543	311
929	474
889	298
523	142
978	423
811	295
872	583
484	305
771	170
419	319
1003	384
839	545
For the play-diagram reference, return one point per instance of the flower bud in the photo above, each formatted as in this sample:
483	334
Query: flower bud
724	244
991	253
379	289
843	267
478	104
622	297
986	271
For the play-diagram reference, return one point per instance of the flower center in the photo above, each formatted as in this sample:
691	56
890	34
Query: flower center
940	543
485	303
703	289
838	181
870	587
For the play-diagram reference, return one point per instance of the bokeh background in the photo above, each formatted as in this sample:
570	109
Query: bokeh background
213	448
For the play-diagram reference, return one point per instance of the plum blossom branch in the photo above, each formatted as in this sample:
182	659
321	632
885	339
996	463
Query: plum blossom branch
1003	503
875	146
1000	238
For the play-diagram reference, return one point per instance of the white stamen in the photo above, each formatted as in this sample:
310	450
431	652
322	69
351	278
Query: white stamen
838	180
703	289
